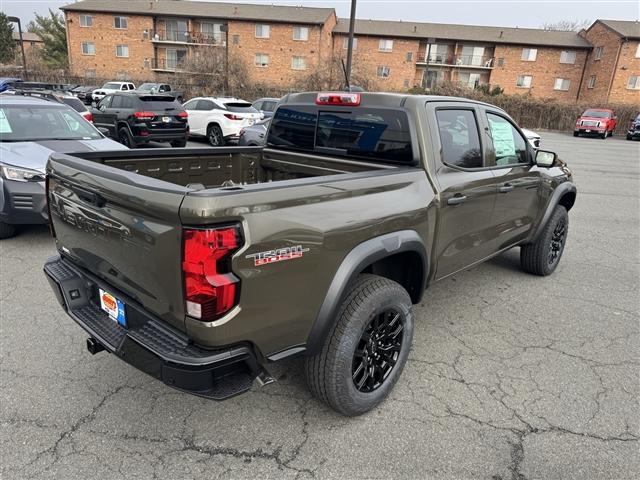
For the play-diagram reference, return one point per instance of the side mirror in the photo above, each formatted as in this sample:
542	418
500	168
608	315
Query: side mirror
104	131
545	158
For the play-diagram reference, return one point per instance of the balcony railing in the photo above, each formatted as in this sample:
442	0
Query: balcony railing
474	61
189	37
168	64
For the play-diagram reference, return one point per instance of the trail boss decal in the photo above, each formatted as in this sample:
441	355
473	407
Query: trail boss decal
278	255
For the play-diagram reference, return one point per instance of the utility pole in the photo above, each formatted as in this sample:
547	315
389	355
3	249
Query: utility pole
352	21
24	58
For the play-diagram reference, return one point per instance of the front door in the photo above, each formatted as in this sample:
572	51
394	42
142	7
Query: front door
467	187
102	116
518	180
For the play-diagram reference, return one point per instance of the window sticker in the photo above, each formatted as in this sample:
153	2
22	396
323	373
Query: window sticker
5	127
503	142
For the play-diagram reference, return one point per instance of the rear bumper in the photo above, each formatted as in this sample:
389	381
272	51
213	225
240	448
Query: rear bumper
148	344
23	203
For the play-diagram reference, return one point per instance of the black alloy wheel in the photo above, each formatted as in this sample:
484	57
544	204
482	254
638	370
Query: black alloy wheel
557	242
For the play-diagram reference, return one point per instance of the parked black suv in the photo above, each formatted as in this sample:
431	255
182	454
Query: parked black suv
633	131
135	118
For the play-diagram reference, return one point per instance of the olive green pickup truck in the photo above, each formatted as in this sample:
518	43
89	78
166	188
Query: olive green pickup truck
202	266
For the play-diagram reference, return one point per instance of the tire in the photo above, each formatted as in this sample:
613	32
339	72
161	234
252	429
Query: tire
604	135
332	373
575	134
178	143
7	230
629	137
543	256
125	138
214	136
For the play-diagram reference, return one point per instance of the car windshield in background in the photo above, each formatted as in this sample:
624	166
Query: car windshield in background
159	102
269	105
75	103
240	107
20	123
595	114
374	134
112	86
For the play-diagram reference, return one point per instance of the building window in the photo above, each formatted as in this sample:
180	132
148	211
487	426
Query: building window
86	21
634	82
90	73
120	22
524	81
567	56
301	33
592	81
262	31
409	56
384	72
298	63
562	84
88	48
211	32
122	51
598	52
235	39
638	51
529	54
345	43
385	45
500	62
262	60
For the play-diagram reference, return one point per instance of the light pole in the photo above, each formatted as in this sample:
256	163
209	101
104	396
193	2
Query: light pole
24	58
352	20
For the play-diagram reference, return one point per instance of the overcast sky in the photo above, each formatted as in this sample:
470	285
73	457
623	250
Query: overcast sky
507	13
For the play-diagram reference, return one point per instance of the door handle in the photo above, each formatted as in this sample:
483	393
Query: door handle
506	188
456	200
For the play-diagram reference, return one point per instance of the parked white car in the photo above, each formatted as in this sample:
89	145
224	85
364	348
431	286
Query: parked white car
111	87
220	119
533	137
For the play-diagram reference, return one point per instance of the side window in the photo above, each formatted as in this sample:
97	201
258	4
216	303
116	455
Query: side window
508	144
116	102
257	105
105	102
204	105
459	138
126	102
191	105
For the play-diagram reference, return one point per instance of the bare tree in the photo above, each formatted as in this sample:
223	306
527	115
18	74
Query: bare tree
567	25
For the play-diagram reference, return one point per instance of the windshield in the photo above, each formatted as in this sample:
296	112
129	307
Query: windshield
240	107
20	123
147	87
596	114
111	86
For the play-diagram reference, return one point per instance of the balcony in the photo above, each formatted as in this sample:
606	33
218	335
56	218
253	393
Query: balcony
186	37
167	65
460	61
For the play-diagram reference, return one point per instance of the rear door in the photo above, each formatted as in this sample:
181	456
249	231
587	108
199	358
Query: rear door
518	179
121	227
467	188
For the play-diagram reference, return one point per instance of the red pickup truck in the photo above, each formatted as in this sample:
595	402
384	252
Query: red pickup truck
597	121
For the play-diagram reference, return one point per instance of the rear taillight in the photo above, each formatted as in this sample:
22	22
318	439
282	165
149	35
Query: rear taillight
210	287
144	115
231	116
88	116
183	114
337	98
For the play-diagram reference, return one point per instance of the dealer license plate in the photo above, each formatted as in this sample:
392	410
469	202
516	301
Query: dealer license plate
166	119
113	306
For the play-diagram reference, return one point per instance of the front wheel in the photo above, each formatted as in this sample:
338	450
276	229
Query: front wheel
214	135
7	230
604	135
575	134
542	256
365	353
629	137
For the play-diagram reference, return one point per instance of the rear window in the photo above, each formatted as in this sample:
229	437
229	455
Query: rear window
367	133
159	102
76	104
240	107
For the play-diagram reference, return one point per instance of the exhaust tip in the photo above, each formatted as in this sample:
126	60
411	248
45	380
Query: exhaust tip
94	346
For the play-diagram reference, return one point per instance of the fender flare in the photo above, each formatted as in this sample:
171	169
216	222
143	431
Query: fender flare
558	193
357	260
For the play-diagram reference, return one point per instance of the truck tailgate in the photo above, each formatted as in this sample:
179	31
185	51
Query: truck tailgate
123	228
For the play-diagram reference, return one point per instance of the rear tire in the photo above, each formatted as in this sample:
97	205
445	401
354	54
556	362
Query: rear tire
543	256
178	143
629	137
125	138
7	230
214	136
367	348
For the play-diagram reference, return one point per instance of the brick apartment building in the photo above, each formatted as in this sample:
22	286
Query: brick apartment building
280	45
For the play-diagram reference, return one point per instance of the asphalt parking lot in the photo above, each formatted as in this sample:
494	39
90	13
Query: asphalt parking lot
511	377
